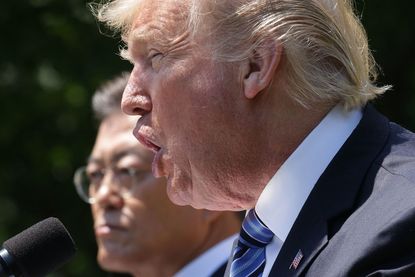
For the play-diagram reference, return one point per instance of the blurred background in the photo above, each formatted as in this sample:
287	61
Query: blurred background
52	57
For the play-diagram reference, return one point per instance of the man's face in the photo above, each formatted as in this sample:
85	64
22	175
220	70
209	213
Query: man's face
192	110
144	228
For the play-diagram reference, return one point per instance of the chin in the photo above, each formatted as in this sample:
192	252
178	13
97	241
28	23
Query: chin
176	198
120	258
177	194
111	263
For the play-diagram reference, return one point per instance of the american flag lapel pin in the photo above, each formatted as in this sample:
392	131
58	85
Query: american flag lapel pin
297	259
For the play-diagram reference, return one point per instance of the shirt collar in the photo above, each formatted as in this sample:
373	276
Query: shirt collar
208	262
285	194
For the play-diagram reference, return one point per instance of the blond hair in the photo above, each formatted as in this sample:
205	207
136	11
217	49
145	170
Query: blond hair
326	53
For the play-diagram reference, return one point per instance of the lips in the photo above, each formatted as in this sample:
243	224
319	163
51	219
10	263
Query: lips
106	229
142	136
156	166
147	143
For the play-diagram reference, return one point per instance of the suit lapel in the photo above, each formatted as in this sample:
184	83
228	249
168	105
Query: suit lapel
334	195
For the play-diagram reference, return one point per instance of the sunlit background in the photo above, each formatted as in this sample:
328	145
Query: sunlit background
52	57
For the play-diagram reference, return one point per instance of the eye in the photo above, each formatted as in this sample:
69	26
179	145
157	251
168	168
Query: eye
124	172
130	173
141	175
154	54
155	58
95	176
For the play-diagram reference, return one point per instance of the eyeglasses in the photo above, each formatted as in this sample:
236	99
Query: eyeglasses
89	183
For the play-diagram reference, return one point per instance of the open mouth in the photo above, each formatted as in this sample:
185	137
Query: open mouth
147	143
157	165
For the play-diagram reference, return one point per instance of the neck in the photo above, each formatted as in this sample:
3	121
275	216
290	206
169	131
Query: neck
221	225
283	124
224	225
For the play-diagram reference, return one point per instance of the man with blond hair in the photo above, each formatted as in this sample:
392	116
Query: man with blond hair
263	105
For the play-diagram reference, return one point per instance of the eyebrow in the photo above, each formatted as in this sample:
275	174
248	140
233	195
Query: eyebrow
149	34
141	36
119	155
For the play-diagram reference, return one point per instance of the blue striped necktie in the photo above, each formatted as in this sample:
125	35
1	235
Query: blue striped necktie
249	255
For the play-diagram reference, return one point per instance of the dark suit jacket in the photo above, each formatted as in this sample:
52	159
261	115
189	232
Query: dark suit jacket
359	220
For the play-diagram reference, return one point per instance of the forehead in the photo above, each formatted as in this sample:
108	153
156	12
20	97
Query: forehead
115	140
167	17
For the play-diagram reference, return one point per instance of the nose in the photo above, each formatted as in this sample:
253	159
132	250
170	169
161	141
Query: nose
136	99
108	195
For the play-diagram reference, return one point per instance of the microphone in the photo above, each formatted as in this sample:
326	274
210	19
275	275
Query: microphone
37	251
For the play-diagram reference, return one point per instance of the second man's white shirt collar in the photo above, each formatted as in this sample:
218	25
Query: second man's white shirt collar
210	261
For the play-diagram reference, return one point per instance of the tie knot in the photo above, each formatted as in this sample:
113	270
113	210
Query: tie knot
254	233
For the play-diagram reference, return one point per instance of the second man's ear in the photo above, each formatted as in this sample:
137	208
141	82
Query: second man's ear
261	67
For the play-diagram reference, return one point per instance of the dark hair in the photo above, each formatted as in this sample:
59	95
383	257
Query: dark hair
107	98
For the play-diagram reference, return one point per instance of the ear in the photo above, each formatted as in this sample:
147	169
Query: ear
261	67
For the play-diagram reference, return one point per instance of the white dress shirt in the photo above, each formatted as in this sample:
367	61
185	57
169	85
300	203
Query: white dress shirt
282	199
210	261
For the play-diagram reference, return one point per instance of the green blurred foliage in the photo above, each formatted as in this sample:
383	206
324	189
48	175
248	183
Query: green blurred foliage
391	31
53	56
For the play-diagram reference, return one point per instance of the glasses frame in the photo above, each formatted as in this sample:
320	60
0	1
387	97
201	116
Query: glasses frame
78	176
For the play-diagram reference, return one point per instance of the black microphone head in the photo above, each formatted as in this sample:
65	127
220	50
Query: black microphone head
41	248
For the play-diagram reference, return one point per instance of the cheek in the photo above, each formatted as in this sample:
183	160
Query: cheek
196	110
186	88
151	203
95	210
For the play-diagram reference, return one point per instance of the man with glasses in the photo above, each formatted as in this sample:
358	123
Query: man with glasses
138	230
